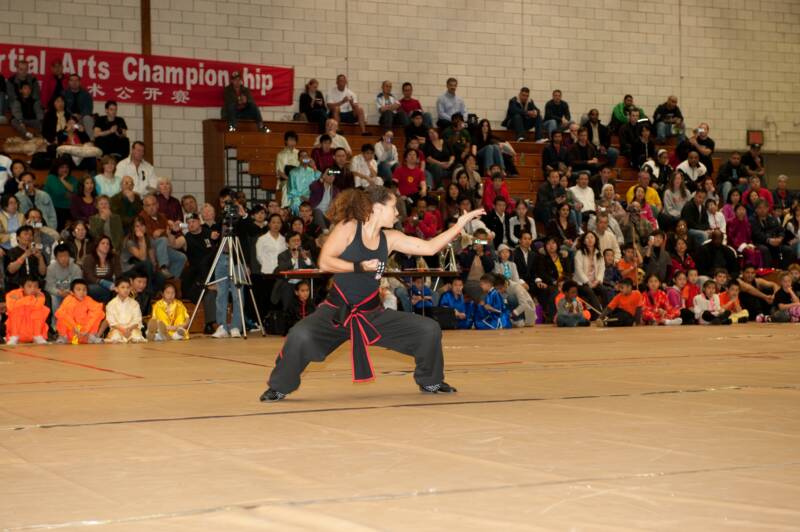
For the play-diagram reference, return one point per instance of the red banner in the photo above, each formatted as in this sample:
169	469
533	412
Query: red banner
157	80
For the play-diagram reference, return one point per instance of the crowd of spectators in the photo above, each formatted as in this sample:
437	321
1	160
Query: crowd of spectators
86	258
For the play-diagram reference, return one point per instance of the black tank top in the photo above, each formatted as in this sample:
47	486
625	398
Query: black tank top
357	286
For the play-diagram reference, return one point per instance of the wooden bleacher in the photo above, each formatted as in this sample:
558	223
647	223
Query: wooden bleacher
256	153
7	131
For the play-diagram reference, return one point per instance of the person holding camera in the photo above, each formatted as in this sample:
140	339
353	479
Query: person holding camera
702	144
111	133
294	257
25	260
343	178
29	196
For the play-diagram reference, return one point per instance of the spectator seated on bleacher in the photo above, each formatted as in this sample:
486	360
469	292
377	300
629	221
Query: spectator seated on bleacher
458	138
701	143
494	186
111	133
30	195
24	261
343	105
411	106
486	147
600	137
643	148
322	155
439	160
142	172
557	116
239	104
10	220
522	115
312	104
448	104
555	155
628	133
296	256
106	183
53	84
79	103
769	236
462	308
300	180
386	156
549	195
693	170
21	76
390	112
55	119
365	168
782	197
44	237
337	140
581	197
660	170
26	112
668	120
106	223
582	155
410	179
82	204
165	242
621	113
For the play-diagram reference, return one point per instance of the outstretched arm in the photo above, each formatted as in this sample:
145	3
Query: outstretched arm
416	246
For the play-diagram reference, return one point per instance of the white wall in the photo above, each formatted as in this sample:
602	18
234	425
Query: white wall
732	63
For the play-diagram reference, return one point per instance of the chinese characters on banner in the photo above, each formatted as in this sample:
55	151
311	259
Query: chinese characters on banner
158	80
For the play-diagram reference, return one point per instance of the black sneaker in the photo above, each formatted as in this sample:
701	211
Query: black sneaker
442	387
271	396
209	328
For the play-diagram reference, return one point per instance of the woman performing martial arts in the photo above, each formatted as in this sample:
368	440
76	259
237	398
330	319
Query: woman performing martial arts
356	252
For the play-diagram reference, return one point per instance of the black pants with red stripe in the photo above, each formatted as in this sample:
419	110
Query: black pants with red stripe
316	337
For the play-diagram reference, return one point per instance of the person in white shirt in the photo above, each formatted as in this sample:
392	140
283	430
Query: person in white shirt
270	245
693	169
582	196
343	105
124	316
386	156
716	220
606	239
389	108
365	167
142	172
337	140
521	221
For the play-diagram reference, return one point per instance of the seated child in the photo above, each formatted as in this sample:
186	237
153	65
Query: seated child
657	310
675	297
730	302
628	265
524	308
60	274
786	304
170	319
421	295
570	311
124	316
491	313
388	298
707	308
612	277
301	305
692	288
454	299
721	278
79	318
26	320
625	309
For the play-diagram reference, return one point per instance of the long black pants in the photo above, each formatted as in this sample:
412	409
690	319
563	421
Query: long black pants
315	337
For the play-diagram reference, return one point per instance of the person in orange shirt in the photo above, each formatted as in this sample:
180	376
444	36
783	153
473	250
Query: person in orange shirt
628	265
625	309
27	314
80	319
730	302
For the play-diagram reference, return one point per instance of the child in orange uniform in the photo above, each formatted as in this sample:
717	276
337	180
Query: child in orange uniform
27	314
80	319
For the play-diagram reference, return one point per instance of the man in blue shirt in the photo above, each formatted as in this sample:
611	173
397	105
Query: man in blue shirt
449	104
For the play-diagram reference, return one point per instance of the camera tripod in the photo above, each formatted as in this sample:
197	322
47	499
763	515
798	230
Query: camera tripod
237	275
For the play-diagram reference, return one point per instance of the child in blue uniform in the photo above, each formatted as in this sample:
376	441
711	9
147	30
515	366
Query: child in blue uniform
492	312
454	299
421	296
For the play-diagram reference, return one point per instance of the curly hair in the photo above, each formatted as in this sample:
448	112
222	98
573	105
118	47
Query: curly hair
356	204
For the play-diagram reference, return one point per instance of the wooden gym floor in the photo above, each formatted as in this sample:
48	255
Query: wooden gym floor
694	428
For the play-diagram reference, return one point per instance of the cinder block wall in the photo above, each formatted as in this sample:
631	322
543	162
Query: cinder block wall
732	63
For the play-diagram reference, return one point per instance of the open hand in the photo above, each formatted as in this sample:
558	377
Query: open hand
467	217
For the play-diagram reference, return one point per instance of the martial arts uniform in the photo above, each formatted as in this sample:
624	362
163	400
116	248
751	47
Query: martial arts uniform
27	316
353	311
124	313
169	315
449	300
86	314
499	319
